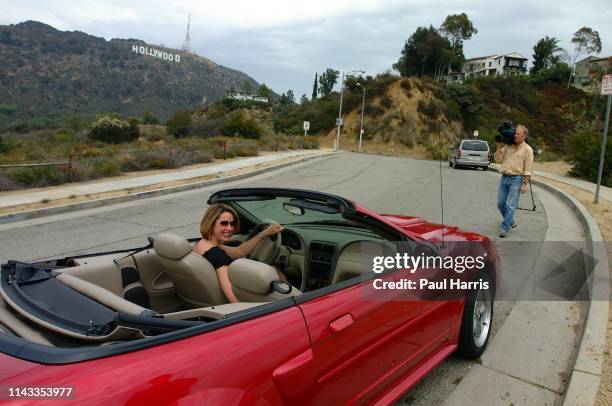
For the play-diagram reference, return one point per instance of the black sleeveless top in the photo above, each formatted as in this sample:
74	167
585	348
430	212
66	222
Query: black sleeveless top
217	257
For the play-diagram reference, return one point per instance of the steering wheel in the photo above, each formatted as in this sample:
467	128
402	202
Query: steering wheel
268	249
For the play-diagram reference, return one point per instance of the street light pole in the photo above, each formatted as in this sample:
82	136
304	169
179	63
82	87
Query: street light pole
339	121
362	108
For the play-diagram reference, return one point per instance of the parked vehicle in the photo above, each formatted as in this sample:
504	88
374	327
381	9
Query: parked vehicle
474	153
152	326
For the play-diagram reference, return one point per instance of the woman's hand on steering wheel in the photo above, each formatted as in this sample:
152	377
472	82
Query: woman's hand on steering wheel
272	229
269	247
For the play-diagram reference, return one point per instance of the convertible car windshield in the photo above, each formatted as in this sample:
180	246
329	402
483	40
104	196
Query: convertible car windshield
291	210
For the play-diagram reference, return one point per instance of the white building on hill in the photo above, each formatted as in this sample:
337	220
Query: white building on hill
492	65
237	95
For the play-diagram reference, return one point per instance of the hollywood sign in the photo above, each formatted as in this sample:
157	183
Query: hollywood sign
139	49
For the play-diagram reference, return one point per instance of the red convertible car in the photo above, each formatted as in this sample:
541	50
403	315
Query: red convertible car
152	326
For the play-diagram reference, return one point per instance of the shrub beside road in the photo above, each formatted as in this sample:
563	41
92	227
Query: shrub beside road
79	158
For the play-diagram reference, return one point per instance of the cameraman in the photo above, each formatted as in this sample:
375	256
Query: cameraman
516	167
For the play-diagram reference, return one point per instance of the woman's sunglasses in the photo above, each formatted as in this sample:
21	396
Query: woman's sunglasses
226	223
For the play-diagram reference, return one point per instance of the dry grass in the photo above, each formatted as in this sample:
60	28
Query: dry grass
560	168
46	203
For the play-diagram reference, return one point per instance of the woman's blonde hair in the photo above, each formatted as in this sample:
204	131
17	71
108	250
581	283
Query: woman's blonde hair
211	215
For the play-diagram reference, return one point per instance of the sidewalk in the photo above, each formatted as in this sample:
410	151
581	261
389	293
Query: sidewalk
604	191
530	358
78	191
589	377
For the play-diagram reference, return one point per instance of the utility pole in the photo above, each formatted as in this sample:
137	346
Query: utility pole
606	88
339	120
362	109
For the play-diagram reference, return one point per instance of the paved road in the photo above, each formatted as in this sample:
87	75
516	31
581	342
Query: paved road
385	184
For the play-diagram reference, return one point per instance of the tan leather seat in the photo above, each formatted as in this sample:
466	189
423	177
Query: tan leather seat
193	276
252	282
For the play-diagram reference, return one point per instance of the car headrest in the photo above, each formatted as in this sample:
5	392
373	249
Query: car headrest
171	246
252	276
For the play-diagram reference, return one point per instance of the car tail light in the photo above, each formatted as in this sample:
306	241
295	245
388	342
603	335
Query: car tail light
490	156
458	153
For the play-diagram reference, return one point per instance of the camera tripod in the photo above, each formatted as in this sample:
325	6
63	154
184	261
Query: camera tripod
532	200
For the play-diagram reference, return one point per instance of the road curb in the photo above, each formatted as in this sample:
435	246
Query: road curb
31	214
585	376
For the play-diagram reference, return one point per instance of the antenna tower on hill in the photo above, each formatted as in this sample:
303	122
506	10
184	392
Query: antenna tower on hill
187	44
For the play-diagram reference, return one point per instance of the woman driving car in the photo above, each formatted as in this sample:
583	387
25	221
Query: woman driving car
217	226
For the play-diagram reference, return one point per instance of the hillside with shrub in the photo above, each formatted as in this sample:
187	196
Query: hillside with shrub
423	117
46	74
112	145
409	116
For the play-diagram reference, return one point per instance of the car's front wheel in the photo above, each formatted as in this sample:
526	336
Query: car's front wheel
477	318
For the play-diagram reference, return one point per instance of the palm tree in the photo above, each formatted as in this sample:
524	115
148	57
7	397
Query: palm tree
550	48
545	54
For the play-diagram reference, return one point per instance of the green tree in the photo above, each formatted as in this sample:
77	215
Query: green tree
546	54
236	124
457	28
264	91
286	119
469	100
315	88
303	99
179	124
111	129
149	118
426	52
585	41
290	96
327	80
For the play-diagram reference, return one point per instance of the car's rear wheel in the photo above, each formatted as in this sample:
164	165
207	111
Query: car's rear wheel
450	163
485	168
477	318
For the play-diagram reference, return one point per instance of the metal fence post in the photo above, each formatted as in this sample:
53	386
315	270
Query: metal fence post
170	156
70	158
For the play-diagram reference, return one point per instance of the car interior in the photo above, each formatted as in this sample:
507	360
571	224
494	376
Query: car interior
101	299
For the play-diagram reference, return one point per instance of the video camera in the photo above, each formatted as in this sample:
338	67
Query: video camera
506	133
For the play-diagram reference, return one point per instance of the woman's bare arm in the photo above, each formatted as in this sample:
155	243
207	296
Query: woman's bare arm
226	286
248	246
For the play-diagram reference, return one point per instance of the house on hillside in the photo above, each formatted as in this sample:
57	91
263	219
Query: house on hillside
238	95
481	66
491	65
588	70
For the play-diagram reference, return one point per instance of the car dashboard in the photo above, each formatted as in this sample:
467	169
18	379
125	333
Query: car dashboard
317	256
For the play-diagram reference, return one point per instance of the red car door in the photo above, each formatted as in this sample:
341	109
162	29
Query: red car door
231	365
364	341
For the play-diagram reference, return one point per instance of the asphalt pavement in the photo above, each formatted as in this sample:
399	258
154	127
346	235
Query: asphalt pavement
534	344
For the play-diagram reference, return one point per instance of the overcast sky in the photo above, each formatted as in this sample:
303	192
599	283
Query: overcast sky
284	42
